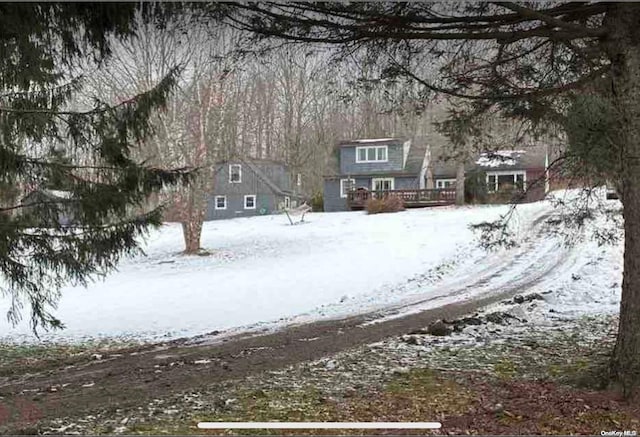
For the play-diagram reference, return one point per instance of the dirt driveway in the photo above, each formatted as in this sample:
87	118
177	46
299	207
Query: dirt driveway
134	377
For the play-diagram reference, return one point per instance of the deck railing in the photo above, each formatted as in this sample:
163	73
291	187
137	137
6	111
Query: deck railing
416	197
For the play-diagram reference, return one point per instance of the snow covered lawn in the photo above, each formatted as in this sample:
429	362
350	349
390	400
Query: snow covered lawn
264	271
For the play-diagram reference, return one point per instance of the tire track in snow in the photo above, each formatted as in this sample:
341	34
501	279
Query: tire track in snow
486	278
529	266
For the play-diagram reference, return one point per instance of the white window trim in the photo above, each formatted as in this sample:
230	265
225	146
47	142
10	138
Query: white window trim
515	173
216	202
287	202
358	161
239	173
444	181
254	201
299	179
374	180
342	192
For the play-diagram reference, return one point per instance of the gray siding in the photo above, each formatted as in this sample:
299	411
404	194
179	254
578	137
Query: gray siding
348	165
267	202
331	197
406	183
250	183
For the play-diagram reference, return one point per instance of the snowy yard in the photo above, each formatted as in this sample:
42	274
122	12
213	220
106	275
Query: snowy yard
264	272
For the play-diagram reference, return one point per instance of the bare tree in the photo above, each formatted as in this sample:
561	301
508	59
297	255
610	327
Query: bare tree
190	131
530	61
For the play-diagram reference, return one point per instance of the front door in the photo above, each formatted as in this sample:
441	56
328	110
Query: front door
382	184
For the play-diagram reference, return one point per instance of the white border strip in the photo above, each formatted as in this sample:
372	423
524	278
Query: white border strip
319	425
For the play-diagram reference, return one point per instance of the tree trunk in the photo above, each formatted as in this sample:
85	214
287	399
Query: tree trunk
460	183
193	216
623	49
192	231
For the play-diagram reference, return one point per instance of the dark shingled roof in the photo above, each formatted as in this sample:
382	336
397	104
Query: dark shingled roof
416	157
372	142
264	177
444	167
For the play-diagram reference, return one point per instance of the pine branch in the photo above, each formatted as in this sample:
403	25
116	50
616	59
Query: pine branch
521	94
548	19
400	28
161	88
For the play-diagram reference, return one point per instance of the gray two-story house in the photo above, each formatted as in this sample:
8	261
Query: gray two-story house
375	165
248	187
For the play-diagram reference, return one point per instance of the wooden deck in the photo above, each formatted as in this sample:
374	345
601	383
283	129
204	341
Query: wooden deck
356	199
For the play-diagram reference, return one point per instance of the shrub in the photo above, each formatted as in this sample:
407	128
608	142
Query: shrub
317	202
374	206
385	204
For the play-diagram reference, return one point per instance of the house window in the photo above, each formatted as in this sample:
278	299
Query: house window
492	182
235	173
250	201
346	185
506	180
361	154
299	179
380	184
221	202
445	183
372	154
287	203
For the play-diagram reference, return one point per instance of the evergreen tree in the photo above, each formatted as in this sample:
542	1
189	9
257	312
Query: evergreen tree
529	61
46	143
